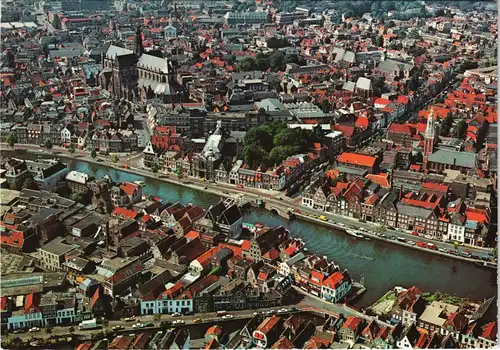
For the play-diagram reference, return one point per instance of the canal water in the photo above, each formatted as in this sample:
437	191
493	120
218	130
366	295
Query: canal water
383	265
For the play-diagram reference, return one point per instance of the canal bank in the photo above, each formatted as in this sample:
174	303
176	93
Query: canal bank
382	264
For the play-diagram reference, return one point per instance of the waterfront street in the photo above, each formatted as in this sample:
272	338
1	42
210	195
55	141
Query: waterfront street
383	263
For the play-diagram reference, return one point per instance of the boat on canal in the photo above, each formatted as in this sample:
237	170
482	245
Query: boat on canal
355	233
489	264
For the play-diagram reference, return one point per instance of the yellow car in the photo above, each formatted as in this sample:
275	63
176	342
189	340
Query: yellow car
197	320
324	218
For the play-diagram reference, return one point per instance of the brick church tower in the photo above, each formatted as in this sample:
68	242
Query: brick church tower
429	137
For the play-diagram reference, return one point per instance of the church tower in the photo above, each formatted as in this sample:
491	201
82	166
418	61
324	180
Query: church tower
429	137
139	49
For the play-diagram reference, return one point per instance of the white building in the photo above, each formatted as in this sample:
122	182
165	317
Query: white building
335	287
456	229
47	173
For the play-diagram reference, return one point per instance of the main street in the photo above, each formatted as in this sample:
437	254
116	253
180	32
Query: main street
127	327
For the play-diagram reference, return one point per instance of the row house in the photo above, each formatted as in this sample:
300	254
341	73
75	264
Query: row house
271	179
106	142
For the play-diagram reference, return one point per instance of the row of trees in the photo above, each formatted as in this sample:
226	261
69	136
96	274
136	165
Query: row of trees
272	143
276	61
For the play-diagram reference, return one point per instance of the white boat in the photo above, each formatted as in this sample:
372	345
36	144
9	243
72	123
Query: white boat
354	233
140	183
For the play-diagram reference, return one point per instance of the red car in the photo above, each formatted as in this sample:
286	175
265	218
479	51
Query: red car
415	233
421	244
239	185
431	246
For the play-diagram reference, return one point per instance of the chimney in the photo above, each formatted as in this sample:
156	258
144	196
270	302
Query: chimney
400	193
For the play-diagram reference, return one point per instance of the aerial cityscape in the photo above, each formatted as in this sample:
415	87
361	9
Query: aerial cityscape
232	174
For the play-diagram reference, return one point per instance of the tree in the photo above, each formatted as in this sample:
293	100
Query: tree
48	144
11	140
93	153
71	329
48	330
446	125
254	155
155	168
460	129
456	245
259	136
77	197
56	22
115	158
326	106
379	41
247	64
71	149
157	317
179	173
280	153
277	61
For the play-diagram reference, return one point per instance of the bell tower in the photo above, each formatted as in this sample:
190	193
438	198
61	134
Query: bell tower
139	49
429	137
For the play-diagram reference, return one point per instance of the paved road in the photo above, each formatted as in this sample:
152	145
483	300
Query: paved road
142	129
128	325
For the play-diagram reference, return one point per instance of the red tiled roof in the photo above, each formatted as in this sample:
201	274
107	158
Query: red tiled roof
214	330
283	343
3	303
334	280
95	297
272	254
382	179
124	213
317	278
32	301
490	331
382	101
192	235
400	129
352	323
128	188
356	159
477	215
268	324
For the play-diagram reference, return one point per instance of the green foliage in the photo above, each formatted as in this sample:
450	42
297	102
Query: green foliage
78	197
93	153
71	149
461	129
260	136
215	270
155	168
280	153
276	43
11	140
247	64
114	158
48	144
56	22
446	125
71	329
179	173
254	155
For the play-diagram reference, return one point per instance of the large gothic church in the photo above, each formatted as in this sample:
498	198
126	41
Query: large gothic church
138	76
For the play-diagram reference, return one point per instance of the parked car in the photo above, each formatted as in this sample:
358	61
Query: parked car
34	329
178	322
176	314
421	244
138	325
165	323
431	246
149	324
117	328
197	320
129	319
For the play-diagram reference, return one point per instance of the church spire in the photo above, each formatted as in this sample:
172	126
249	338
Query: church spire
139	49
431	127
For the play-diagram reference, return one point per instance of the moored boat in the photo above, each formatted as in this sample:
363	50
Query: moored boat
354	233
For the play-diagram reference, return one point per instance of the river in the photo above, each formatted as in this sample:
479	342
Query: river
382	264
